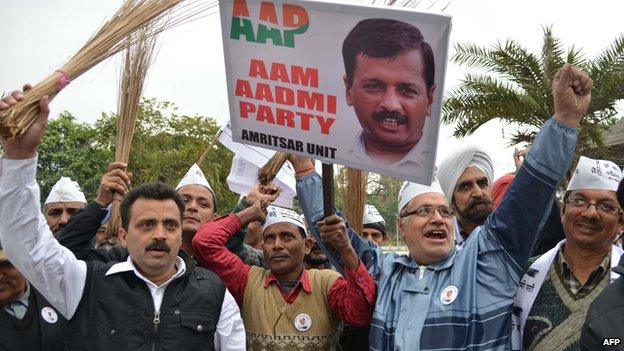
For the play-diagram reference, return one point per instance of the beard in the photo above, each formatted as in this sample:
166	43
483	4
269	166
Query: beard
476	214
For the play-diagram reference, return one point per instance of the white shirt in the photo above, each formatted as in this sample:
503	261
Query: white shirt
54	270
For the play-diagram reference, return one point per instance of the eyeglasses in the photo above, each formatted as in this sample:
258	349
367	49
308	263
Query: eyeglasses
602	206
427	211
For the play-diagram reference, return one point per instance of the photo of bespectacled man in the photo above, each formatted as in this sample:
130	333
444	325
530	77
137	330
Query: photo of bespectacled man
389	82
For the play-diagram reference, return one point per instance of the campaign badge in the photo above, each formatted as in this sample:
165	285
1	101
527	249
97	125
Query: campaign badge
303	322
49	315
449	294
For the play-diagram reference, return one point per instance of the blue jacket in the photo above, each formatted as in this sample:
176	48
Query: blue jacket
411	313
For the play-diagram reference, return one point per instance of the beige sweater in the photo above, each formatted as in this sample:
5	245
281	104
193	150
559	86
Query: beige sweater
270	322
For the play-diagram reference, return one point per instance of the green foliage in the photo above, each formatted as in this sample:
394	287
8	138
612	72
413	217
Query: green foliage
71	149
166	144
164	147
515	86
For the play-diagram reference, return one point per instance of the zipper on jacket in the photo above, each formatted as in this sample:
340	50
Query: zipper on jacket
156	322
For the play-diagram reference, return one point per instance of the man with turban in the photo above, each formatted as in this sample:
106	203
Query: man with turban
466	177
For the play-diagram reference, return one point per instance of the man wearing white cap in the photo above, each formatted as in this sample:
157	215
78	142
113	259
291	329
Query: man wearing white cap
201	204
555	293
287	307
440	298
373	225
64	200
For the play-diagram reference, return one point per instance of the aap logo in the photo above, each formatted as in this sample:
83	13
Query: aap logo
280	31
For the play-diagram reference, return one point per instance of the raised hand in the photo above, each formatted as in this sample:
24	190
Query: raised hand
116	180
571	90
25	146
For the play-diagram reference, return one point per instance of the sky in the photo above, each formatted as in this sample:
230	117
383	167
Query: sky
40	35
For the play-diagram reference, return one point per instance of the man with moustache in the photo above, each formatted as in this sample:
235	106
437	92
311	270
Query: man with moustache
605	317
389	81
154	298
439	297
64	200
466	176
287	306
556	291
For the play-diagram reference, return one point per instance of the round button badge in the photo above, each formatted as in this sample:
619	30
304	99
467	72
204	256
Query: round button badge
49	315
303	322
449	294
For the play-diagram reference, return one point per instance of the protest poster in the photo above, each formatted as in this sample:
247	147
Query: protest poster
354	85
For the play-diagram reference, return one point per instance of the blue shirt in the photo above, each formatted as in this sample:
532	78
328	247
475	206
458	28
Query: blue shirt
478	282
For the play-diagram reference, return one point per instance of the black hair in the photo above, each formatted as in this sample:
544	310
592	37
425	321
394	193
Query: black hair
377	225
151	191
380	38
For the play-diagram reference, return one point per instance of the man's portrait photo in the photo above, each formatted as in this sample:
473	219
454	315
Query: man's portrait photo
389	82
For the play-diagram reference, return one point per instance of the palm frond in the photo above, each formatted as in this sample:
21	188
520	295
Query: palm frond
482	98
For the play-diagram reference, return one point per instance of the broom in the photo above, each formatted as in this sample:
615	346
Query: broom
210	146
138	55
267	173
356	198
107	41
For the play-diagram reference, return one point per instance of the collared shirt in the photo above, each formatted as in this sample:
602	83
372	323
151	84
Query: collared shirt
290	295
53	269
564	269
157	291
19	307
415	157
351	298
465	301
415	163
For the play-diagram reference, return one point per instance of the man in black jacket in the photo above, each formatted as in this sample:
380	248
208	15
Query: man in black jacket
27	321
604	325
153	300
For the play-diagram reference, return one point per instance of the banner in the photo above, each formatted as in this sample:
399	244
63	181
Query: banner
352	85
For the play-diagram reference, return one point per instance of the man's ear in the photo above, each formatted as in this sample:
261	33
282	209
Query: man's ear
430	93
348	86
400	228
309	243
121	235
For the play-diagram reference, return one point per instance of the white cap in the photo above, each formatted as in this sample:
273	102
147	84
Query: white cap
595	174
371	215
66	190
278	215
410	190
195	176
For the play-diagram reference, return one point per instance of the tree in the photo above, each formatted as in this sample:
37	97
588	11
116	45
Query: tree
71	149
166	144
517	89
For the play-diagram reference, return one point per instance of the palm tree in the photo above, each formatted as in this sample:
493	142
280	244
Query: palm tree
516	88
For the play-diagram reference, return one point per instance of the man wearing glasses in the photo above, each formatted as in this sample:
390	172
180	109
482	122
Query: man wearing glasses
556	291
438	297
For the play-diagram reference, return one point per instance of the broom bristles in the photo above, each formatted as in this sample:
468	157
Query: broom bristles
356	198
107	41
269	171
114	223
138	56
